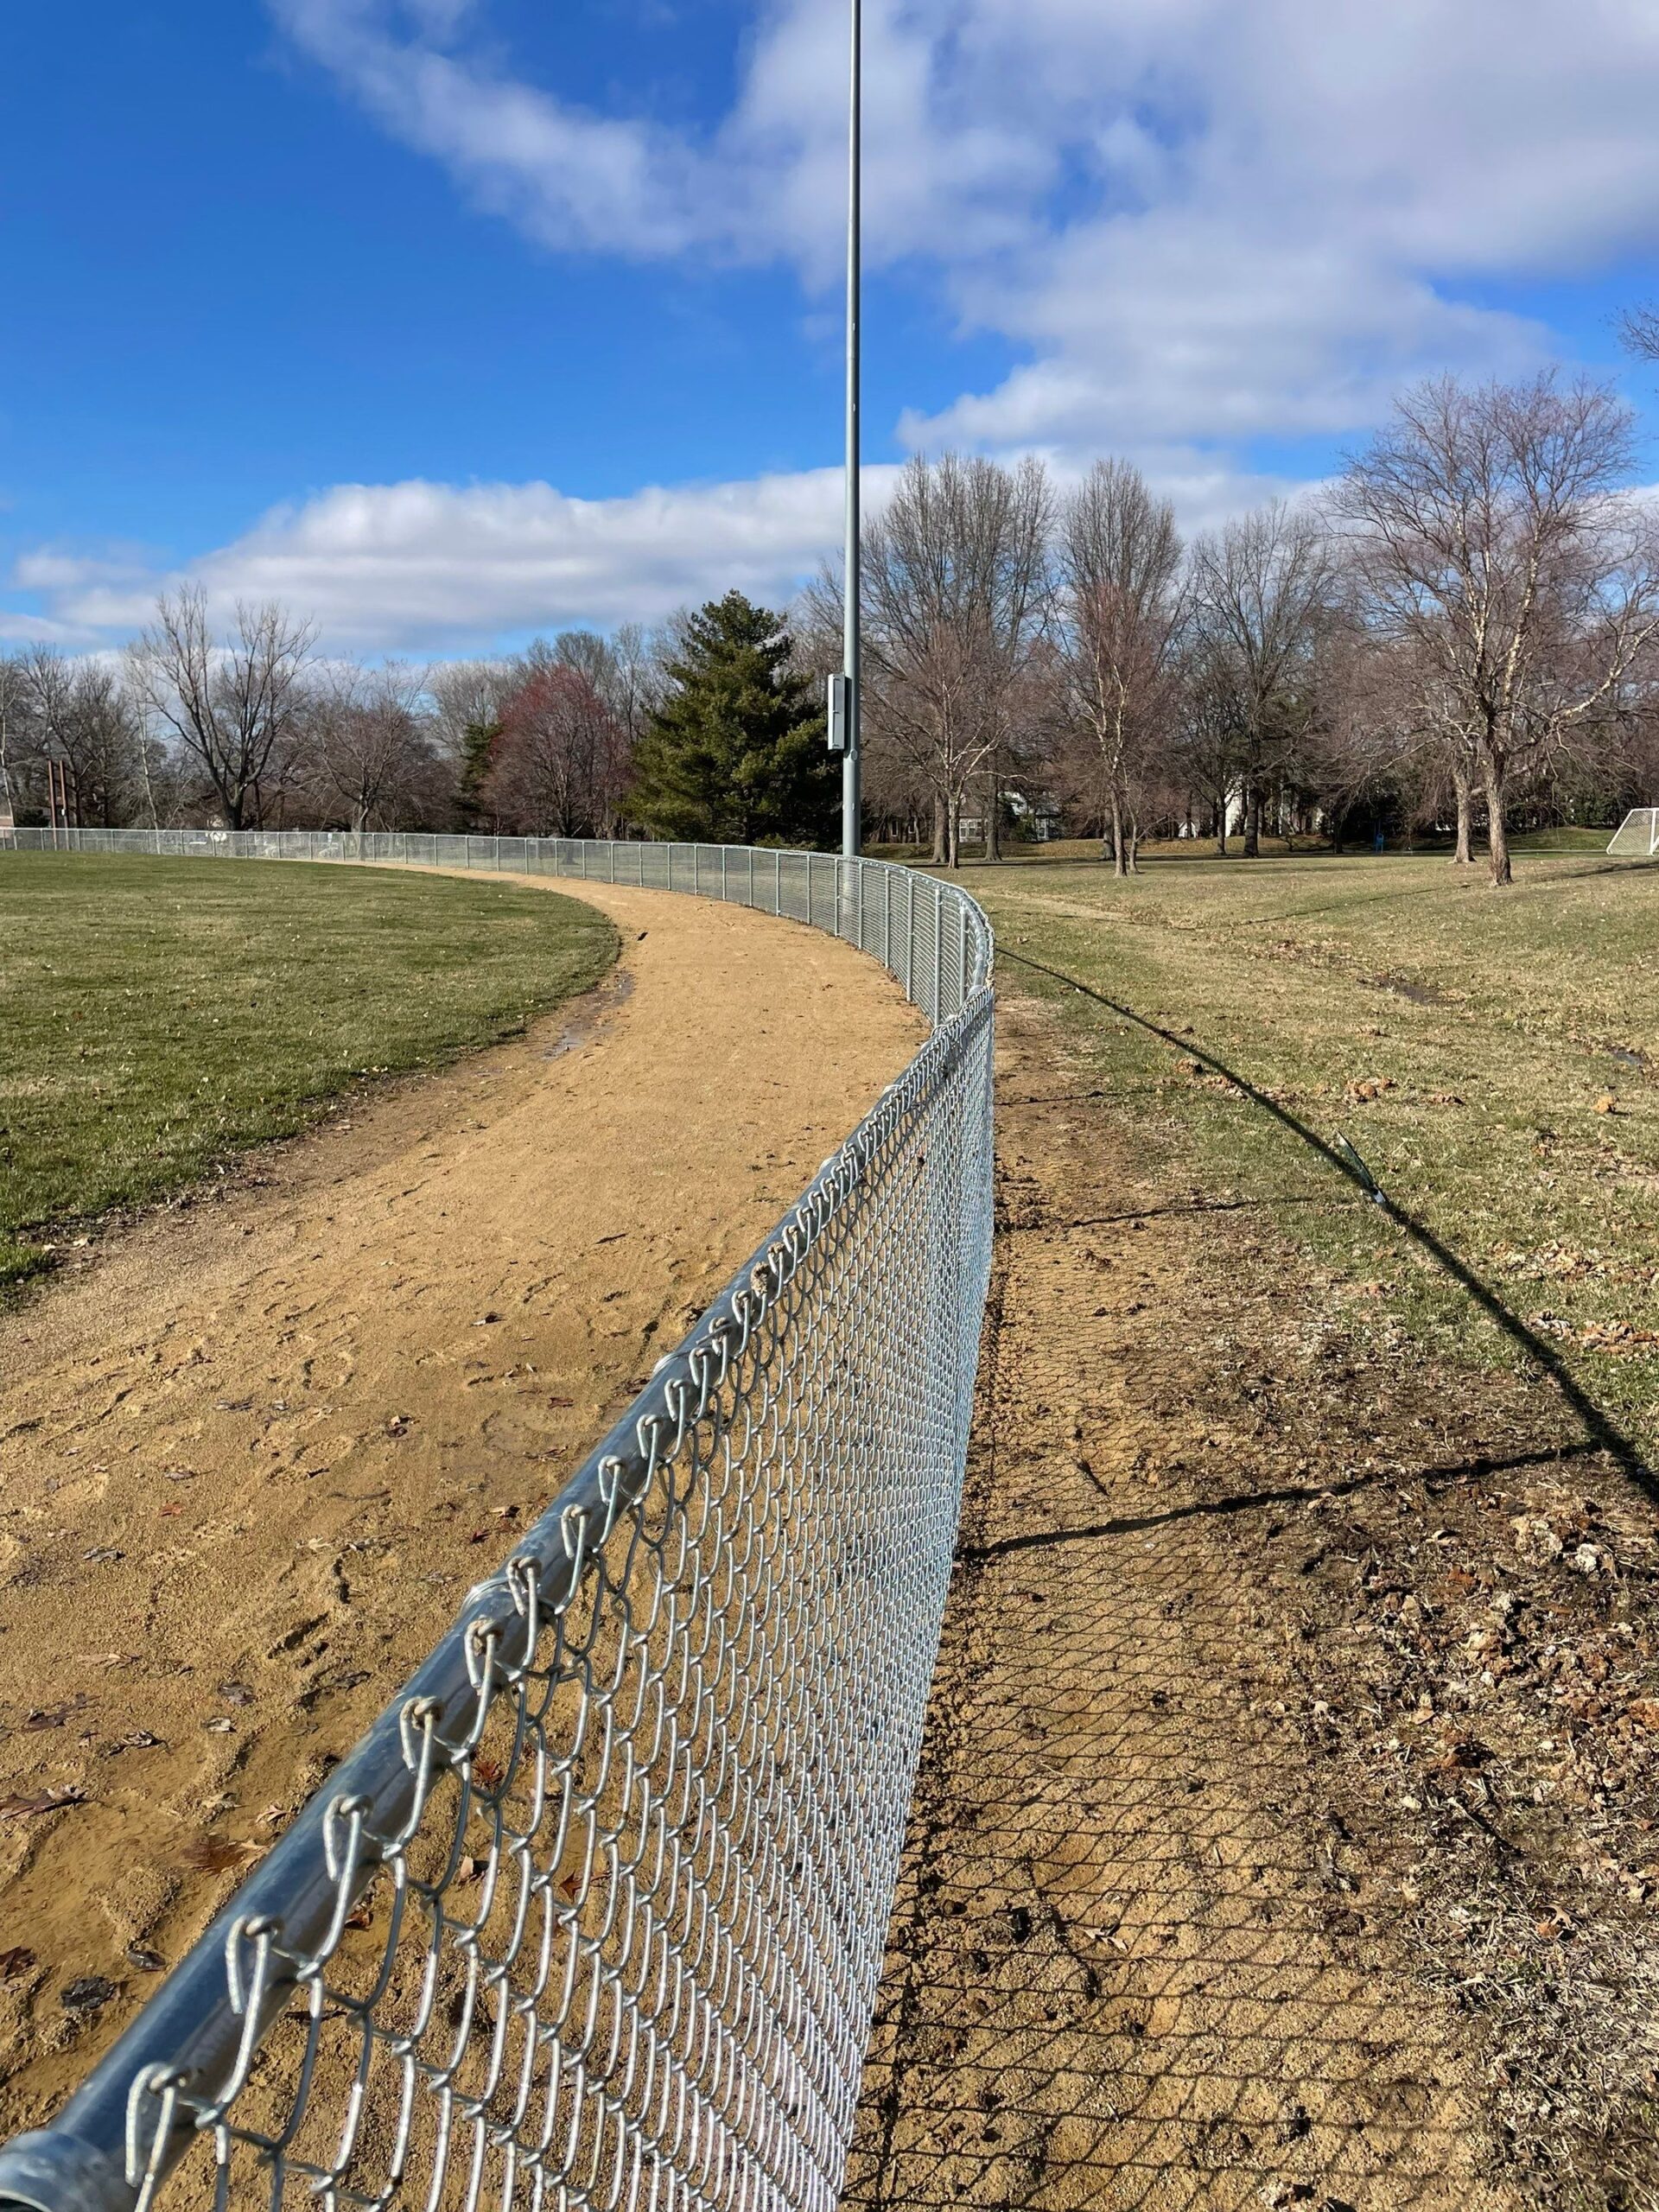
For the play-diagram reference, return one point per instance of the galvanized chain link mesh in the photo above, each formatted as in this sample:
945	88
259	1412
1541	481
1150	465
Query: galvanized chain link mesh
594	1914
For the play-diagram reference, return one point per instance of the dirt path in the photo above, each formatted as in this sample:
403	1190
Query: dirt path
1135	1962
254	1455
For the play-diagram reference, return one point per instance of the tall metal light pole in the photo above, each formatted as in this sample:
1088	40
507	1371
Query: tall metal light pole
850	794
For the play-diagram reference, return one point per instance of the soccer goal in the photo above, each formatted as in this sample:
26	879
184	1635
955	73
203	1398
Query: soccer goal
1636	837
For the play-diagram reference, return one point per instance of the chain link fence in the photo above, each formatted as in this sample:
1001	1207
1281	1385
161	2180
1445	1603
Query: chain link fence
594	1915
933	937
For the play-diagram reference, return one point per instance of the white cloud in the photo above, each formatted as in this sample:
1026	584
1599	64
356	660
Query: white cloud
420	565
1198	223
1203	220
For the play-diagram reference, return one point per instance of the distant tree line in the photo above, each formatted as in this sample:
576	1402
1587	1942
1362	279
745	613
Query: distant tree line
708	729
1461	634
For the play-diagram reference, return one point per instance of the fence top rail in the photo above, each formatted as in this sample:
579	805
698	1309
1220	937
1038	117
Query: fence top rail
182	2062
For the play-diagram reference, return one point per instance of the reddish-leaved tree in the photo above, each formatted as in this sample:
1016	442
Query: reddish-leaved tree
559	765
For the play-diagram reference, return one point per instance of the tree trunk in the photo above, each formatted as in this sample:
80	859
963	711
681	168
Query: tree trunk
993	819
1497	833
1119	865
941	839
1252	823
1221	825
1132	857
1464	855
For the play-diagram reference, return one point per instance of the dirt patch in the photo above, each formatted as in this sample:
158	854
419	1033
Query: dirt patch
255	1453
1152	1947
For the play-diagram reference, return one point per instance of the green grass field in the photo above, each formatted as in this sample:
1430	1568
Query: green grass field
1493	1056
158	1015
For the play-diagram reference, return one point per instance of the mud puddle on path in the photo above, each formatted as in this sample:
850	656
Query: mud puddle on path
1135	1961
252	1457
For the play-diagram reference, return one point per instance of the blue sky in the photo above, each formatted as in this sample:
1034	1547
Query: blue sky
450	320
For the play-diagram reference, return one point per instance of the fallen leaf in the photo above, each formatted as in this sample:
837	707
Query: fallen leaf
53	1716
101	1552
1616	1337
41	1800
146	1960
218	1854
1462	1757
488	1772
1607	1104
90	1993
235	1693
15	1963
172	1512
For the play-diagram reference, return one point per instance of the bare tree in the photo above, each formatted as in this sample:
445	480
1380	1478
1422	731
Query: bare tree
627	669
369	746
466	697
1497	536
955	581
233	707
1262	587
1210	735
638	680
561	764
73	713
1639	327
1119	560
14	707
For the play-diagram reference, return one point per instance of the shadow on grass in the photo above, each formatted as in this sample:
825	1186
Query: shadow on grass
1602	1431
1478	1468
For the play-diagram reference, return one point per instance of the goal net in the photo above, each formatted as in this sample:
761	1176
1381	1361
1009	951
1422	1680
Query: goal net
1636	837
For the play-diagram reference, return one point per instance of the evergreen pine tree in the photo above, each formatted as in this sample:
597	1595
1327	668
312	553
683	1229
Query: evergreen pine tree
735	753
477	759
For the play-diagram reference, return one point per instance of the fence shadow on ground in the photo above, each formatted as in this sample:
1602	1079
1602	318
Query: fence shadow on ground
1134	1964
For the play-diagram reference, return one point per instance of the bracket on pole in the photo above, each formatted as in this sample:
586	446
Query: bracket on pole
839	715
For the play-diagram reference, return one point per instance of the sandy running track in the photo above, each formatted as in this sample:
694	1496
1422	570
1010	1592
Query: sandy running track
252	1457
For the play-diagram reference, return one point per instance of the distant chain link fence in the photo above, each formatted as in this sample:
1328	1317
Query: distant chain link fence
594	1915
933	937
